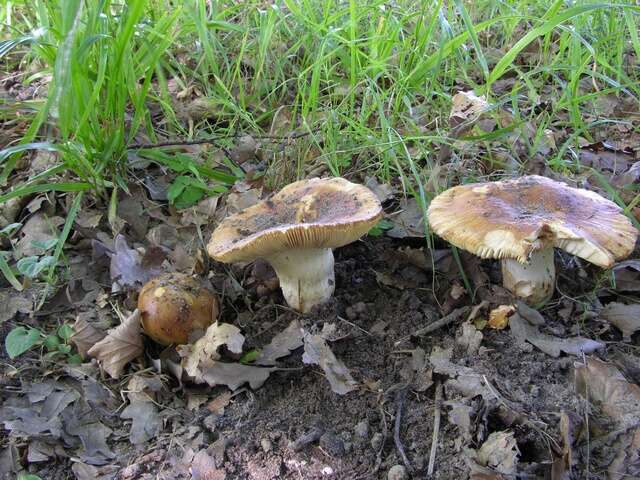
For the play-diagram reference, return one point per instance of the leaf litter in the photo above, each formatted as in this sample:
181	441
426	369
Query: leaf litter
120	345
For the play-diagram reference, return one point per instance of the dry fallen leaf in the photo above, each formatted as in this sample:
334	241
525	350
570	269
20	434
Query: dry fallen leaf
470	339
524	331
499	317
466	109
206	348
218	404
121	345
499	452
627	276
131	269
282	344
85	336
200	360
408	222
625	317
603	383
383	191
39	229
316	351
12	302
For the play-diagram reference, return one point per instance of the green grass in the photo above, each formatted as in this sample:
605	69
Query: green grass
370	82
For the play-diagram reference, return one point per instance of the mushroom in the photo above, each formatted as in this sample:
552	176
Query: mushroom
173	305
295	231
520	222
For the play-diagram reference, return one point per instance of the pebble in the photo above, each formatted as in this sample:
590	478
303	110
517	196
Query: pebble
360	307
332	444
266	444
362	429
397	472
376	441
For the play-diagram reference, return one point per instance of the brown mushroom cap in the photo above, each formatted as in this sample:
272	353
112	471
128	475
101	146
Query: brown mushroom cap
173	305
314	213
513	218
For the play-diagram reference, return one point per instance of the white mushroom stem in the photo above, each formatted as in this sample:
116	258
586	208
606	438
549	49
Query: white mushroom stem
534	282
306	276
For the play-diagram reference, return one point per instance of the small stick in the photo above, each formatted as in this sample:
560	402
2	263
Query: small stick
311	436
454	316
383	420
436	428
185	143
400	398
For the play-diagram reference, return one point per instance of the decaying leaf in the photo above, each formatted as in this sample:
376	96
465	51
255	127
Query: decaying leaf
237	201
470	339
383	191
38	230
499	317
145	421
203	467
499	452
625	317
282	344
603	383
205	349
531	315
317	352
463	379
85	335
121	345
200	360
466	109
12	302
524	331
218	404
233	375
131	269
408	222
627	276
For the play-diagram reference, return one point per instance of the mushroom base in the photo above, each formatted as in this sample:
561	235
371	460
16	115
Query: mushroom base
306	276
534	282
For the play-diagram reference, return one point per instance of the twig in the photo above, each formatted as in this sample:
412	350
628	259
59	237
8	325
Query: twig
311	436
401	395
383	420
185	143
436	428
454	316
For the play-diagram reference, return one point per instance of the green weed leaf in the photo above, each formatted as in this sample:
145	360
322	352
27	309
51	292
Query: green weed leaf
186	191
21	339
381	227
250	356
51	343
65	332
32	266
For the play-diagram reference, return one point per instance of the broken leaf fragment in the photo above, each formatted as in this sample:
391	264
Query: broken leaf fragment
499	452
85	336
499	317
624	317
201	359
317	351
604	384
282	344
121	345
523	331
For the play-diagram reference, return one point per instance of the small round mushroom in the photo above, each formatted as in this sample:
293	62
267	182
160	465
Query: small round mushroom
520	222
295	231
173	305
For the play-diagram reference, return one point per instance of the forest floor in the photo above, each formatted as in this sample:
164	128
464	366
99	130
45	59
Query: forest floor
414	379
